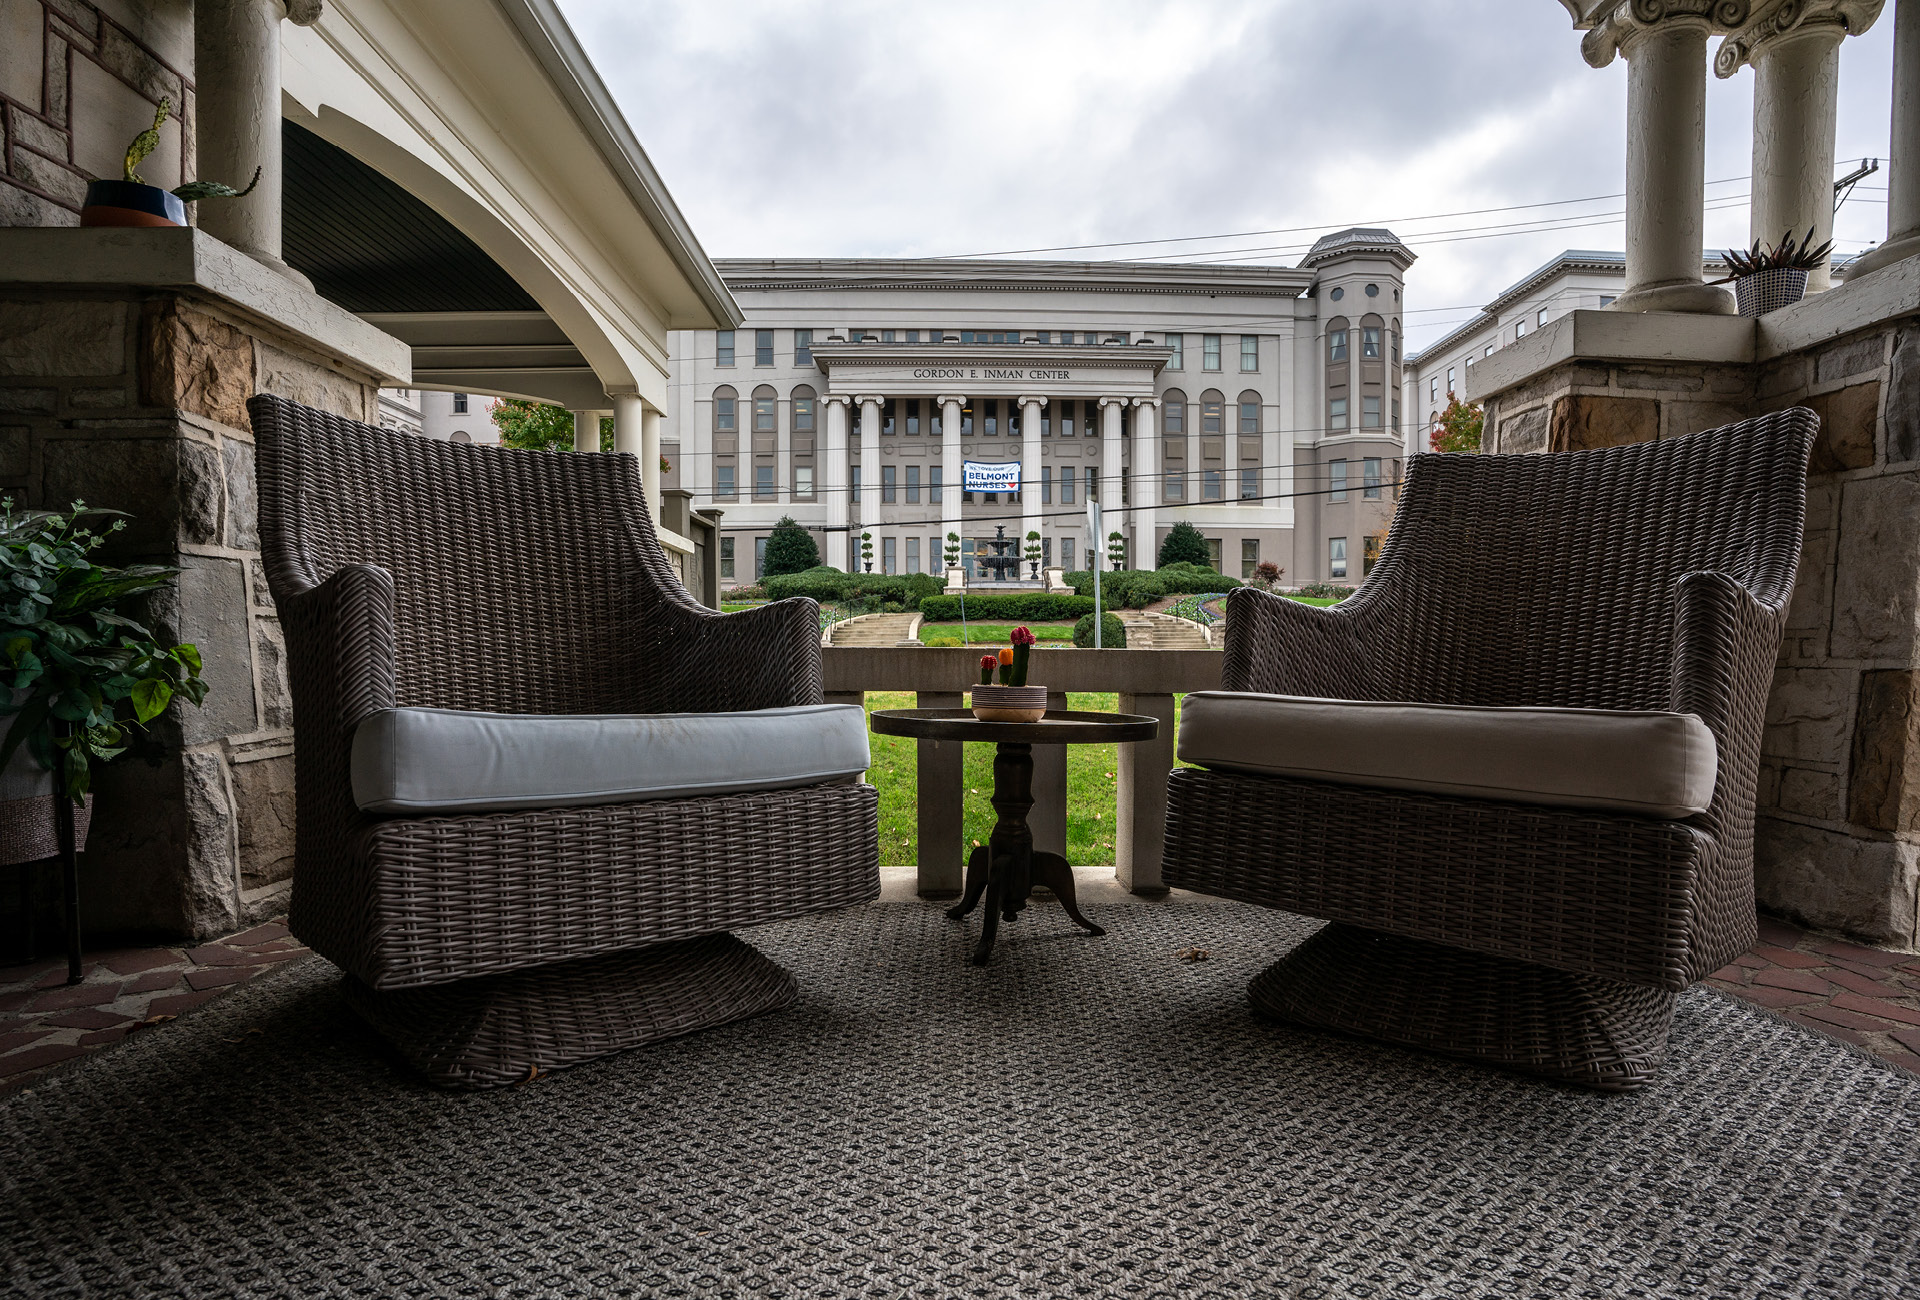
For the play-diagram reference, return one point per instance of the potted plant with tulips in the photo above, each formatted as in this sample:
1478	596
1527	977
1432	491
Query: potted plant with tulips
1011	699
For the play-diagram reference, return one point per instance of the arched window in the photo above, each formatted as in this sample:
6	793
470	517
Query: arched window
803	409
1212	411
1372	345
1396	340
1250	412
766	404
1337	341
1173	410
724	418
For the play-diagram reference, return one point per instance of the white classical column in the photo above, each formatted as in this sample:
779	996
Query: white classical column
650	458
1795	52
1111	471
586	431
1903	165
869	474
950	471
236	53
1031	467
1666	55
833	483
1147	460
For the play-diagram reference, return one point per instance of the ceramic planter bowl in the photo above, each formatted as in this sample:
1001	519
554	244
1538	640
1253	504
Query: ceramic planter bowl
1009	703
123	203
1765	291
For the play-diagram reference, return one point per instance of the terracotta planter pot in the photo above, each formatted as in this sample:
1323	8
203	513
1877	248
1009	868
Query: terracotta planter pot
123	203
1009	703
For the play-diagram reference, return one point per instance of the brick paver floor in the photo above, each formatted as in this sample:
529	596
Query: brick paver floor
1859	995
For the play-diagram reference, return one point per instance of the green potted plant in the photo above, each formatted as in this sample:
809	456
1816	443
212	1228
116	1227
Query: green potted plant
1011	700
1033	554
1117	550
866	550
1766	279
130	201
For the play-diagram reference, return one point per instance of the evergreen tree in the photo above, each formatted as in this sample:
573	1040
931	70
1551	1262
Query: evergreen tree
790	549
1185	545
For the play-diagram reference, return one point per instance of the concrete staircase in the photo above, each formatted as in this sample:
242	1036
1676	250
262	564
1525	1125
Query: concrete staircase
1151	631
876	630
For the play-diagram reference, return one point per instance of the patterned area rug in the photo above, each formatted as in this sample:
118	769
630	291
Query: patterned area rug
1085	1117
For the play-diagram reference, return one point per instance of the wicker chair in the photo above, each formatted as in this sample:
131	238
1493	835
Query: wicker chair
1546	939
490	946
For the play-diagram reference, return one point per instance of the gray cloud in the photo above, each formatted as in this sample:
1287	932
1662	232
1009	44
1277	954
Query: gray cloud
889	129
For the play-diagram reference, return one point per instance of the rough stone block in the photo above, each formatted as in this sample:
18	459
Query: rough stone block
1903	398
1856	356
20	207
257	581
192	362
29	401
209	609
168	484
270	649
1810	793
1585	422
1784	378
15	450
243	497
1663	381
112	113
1848	420
1730	381
97	399
1809	711
63	183
120	55
1692	417
263	801
286	375
21	51
1525	432
1812	583
1876	596
1831	880
48	338
1883	790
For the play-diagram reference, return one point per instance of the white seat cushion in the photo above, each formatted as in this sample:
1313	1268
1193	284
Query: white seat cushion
454	761
1653	763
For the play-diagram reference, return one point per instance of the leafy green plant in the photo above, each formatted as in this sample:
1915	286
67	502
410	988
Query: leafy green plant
84	676
829	584
1324	591
1026	607
192	191
1185	545
537	426
953	550
790	549
1116	551
1789	254
1457	428
1113	633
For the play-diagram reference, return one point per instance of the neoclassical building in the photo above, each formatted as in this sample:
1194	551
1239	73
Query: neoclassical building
1259	403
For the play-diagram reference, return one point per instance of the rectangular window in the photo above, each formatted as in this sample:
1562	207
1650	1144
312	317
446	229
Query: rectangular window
1175	418
1249	556
459	403
1451	389
1370	342
1213	554
1093	483
913	417
888	425
763	347
1337	413
1174	487
1369	412
1249	417
992	417
1046	489
726	557
723	348
1210	485
1433	389
913	555
936	556
886	485
723	485
1046	552
1369	553
762	481
1249	352
1066	553
1606	300
1337	480
854	484
1370	478
803	415
856	336
886	554
1178	343
1210	417
913	488
933	485
886	336
723	415
1336	345
759	558
1209	351
763	414
1249	484
1487	351
803	347
803	480
1336	557
1066	485
1540	317
966	422
1519	329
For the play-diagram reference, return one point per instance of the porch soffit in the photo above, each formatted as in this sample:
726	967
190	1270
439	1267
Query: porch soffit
931	370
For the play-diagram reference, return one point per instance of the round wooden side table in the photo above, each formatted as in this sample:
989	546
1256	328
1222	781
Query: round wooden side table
1007	867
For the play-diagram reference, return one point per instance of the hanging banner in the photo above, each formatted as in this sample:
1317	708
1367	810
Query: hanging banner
990	476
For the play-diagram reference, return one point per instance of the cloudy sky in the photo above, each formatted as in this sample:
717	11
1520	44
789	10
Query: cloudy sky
858	128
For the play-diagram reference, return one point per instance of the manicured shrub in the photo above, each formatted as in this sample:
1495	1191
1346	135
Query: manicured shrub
790	549
1138	588
1037	607
1193	579
1324	591
1184	544
826	584
1113	633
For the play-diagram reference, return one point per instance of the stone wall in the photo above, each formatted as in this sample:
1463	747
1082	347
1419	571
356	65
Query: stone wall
77	82
1839	833
136	400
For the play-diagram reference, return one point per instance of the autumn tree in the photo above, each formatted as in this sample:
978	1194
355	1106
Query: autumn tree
1458	427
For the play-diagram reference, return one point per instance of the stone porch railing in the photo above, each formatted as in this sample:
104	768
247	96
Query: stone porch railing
1146	682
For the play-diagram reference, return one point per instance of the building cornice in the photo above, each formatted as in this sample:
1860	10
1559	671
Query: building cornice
976	356
971	276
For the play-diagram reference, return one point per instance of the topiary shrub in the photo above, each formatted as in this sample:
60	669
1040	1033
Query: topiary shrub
1037	607
1185	545
790	549
1113	633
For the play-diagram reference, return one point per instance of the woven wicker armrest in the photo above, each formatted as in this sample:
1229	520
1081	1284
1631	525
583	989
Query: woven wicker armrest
344	626
1283	647
702	661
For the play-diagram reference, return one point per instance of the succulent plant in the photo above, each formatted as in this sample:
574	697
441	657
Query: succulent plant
987	664
1790	253
190	192
1017	655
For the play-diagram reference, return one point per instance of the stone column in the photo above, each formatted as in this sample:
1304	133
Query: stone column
1111	471
1665	45
950	471
1031	467
869	473
1903	167
1147	461
586	431
1795	53
650	459
833	483
236	53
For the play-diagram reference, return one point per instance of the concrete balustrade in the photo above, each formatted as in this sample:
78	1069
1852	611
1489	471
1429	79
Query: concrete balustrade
1145	681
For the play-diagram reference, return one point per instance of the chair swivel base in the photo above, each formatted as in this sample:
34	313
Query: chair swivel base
1597	1033
501	1029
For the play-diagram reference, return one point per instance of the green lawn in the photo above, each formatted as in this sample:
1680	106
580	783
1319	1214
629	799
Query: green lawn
1315	600
1091	780
996	634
